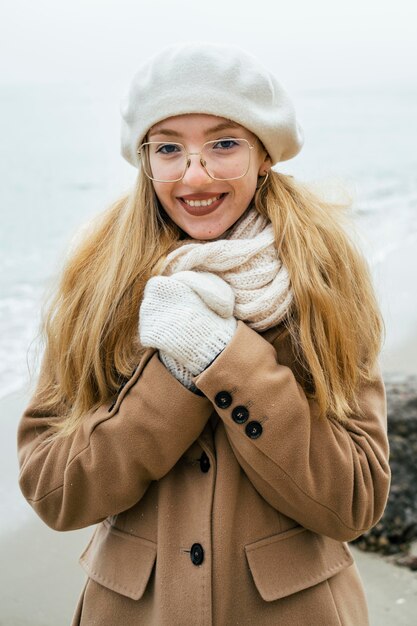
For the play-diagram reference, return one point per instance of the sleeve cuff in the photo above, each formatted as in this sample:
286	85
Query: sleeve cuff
236	363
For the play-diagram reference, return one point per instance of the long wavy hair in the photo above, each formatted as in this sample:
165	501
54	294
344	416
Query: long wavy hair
89	325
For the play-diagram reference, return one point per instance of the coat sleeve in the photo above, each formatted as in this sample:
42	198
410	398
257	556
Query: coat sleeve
330	478
106	466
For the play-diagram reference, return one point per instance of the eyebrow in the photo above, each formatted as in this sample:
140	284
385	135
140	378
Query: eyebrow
209	131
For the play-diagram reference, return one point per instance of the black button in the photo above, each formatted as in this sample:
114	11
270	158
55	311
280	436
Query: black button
197	553
240	414
204	463
253	430
223	399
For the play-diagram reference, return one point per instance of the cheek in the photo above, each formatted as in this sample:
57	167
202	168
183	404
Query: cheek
251	180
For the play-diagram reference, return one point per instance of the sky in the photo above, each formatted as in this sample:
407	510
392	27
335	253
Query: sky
308	44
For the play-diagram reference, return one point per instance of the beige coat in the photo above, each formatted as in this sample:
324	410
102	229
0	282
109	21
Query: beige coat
233	507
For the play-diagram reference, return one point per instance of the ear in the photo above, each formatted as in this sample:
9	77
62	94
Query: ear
265	166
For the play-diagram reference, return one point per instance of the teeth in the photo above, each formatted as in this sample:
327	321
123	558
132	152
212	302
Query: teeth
201	202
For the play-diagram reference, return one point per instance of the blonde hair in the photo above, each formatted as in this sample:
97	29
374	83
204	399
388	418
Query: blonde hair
89	326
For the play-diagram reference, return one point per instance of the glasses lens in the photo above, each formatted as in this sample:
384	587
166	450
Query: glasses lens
164	162
226	158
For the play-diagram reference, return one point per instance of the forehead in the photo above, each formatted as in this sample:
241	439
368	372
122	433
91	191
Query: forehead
191	123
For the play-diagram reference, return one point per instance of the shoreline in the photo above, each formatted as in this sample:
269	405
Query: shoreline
394	280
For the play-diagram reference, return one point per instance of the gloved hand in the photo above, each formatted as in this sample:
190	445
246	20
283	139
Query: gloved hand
188	317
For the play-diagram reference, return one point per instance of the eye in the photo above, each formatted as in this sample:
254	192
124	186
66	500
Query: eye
168	148
226	144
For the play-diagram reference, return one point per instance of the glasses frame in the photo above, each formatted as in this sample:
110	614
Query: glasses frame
189	154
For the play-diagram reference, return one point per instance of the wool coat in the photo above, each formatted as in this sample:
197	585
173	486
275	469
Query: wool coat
233	507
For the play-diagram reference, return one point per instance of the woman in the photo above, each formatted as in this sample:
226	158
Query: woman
230	438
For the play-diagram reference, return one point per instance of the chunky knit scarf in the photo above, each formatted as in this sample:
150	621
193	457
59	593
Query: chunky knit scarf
247	259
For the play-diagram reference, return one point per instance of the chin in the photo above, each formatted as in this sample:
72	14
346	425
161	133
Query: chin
206	236
203	233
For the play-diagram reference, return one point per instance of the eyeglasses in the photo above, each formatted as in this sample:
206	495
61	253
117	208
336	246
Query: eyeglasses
222	159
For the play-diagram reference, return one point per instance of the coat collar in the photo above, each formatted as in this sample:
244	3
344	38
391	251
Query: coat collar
272	333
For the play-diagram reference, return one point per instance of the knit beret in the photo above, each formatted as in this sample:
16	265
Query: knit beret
218	79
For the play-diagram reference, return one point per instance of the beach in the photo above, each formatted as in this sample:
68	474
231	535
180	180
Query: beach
41	581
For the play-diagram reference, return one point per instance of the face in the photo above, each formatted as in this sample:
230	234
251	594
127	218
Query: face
206	222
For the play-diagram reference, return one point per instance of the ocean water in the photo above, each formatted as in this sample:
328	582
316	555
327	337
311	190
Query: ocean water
60	165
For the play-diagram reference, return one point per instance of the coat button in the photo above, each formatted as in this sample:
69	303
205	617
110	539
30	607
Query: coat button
204	463
197	553
240	414
223	399
253	430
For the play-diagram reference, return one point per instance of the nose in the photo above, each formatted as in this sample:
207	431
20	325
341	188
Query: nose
195	174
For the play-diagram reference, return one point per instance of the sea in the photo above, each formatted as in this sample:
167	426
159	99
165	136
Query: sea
60	165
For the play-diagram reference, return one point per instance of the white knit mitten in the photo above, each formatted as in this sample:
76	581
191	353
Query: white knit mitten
178	370
188	317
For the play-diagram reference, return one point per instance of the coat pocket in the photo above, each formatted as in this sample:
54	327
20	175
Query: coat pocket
294	560
119	561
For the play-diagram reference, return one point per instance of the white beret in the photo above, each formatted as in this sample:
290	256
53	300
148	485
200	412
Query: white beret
218	79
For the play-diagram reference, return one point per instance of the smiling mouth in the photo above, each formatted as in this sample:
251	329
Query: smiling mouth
206	202
204	206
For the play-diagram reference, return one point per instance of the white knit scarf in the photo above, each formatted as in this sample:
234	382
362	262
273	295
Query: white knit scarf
247	259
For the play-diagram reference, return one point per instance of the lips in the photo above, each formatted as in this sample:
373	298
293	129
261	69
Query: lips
202	196
201	210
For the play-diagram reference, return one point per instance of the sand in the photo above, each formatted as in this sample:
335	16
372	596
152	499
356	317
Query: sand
40	578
